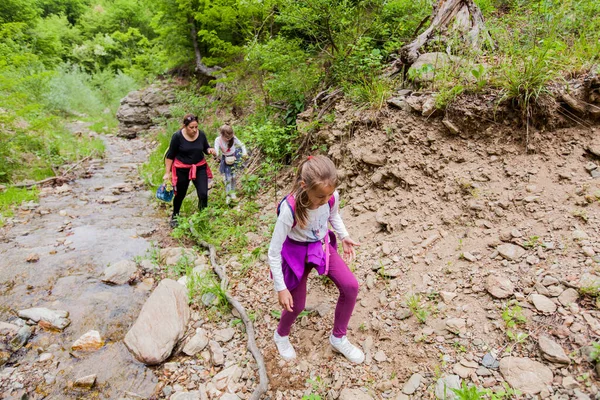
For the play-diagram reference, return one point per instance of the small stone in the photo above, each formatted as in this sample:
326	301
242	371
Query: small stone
588	251
447	297
444	386
89	341
579	235
462	371
543	304
412	384
499	287
216	352
85	382
33	257
569	382
552	351
197	343
380	356
469	257
489	361
354	394
224	335
456	325
510	251
550	280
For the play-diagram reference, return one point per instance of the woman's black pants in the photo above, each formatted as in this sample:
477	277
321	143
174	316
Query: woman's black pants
183	182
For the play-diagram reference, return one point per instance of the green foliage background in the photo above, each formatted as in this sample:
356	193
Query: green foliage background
74	59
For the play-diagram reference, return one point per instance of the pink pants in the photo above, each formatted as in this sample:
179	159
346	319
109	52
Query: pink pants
346	283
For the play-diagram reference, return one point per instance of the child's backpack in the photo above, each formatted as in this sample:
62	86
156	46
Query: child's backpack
291	200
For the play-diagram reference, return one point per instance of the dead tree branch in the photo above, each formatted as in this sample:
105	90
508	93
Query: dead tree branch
263	382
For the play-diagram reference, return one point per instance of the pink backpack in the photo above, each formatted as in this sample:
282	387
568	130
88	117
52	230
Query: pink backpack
291	200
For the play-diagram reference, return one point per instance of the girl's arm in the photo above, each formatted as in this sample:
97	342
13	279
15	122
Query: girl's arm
283	226
335	219
218	146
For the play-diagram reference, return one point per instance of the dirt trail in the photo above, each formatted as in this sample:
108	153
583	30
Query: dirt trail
77	231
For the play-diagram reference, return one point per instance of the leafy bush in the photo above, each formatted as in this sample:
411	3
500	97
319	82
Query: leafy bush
276	142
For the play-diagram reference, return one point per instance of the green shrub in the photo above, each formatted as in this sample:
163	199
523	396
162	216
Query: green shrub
276	142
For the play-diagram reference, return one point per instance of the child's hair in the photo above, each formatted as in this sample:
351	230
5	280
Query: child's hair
188	118
314	171
227	130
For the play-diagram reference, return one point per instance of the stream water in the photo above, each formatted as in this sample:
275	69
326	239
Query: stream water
76	236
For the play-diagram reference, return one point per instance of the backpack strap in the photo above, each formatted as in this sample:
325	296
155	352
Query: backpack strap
291	200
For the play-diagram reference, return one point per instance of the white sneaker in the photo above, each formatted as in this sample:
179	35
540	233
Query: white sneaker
233	196
343	346
227	200
285	348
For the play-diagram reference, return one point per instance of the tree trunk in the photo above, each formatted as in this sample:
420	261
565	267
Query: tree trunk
449	15
200	67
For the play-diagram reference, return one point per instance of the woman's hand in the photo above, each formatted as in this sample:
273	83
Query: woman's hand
348	246
212	151
285	300
167	177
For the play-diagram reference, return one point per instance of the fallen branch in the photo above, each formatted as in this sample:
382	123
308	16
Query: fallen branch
263	383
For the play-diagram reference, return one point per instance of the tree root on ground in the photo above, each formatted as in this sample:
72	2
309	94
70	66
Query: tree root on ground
263	382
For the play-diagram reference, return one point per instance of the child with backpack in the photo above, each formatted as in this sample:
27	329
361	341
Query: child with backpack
231	150
302	241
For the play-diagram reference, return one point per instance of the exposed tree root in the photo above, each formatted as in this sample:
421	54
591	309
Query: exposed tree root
263	382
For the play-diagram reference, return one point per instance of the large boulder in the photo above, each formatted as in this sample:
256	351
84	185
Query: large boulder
161	323
140	108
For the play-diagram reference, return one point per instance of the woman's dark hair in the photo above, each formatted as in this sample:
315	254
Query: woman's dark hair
188	119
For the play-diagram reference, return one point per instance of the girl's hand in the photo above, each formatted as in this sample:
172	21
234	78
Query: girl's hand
167	177
212	151
285	300
348	246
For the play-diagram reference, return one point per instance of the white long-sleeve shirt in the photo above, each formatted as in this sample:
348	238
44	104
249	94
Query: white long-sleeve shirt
315	230
223	149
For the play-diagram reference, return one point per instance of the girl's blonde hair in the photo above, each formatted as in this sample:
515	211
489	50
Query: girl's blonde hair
314	171
227	130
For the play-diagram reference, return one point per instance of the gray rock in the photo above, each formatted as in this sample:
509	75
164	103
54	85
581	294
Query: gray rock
197	343
89	341
542	303
568	296
161	323
119	273
193	395
354	394
444	386
489	361
22	336
552	351
550	280
510	251
569	382
526	375
86	382
374	159
412	384
423	68
224	335
53	319
456	325
499	287
588	280
462	371
216	353
579	235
